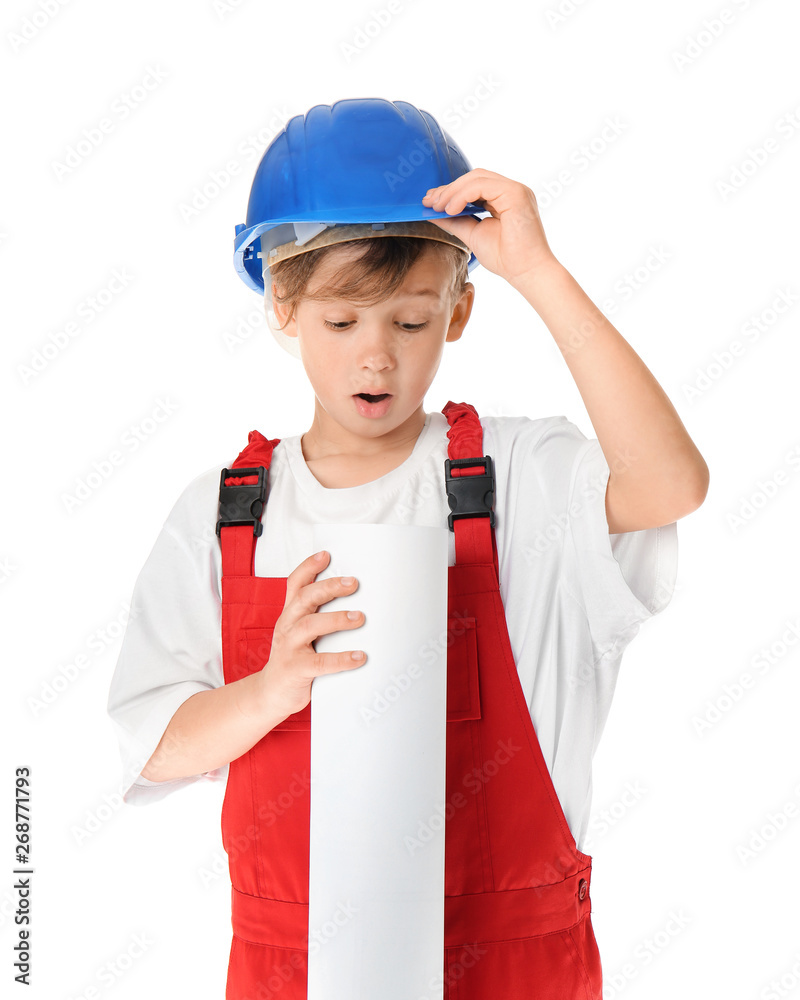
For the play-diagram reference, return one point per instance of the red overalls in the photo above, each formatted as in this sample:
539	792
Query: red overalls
517	906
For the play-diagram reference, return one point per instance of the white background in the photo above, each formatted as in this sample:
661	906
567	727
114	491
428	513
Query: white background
521	93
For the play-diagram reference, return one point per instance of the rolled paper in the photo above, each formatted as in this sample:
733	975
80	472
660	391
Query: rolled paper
378	735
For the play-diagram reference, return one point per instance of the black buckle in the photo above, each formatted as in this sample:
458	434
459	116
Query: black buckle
243	504
469	496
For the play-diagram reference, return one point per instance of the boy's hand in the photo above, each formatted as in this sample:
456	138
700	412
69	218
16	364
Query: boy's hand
293	662
512	242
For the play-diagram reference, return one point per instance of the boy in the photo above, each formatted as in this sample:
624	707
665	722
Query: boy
220	675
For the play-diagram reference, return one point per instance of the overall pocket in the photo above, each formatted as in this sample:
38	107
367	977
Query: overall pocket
463	691
253	648
463	687
466	832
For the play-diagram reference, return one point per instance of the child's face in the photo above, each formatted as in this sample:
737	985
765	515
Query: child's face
393	346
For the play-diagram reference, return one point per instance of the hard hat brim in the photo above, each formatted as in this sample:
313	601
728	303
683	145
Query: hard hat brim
362	231
247	239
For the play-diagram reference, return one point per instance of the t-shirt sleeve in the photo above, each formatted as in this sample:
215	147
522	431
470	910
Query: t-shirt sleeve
171	648
620	580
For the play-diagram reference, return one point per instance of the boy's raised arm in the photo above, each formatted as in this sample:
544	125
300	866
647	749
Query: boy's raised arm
657	475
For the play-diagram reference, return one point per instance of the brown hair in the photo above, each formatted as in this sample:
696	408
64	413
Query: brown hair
373	276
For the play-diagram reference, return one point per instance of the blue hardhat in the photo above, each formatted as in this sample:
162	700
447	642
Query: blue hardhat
360	160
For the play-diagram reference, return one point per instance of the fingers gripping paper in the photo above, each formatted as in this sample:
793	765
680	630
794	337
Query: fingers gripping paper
376	894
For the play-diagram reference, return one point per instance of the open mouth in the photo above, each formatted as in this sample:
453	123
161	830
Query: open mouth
373	399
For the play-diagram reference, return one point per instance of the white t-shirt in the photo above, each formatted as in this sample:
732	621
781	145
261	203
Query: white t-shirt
574	595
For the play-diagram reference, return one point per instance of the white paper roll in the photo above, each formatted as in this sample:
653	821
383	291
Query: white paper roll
378	732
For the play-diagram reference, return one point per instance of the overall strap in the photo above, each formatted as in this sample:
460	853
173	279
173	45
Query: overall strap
471	518
241	504
469	482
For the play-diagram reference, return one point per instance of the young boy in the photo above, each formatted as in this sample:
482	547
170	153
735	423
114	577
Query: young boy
558	551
